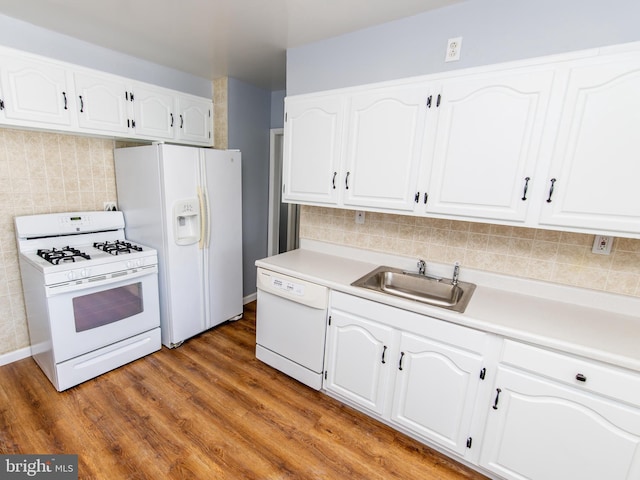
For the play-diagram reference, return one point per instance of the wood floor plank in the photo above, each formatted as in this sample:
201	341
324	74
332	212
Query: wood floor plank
206	410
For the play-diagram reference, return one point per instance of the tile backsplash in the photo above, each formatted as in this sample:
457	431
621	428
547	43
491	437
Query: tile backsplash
43	173
549	255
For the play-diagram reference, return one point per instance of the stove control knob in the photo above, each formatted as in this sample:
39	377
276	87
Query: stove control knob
71	275
83	273
134	263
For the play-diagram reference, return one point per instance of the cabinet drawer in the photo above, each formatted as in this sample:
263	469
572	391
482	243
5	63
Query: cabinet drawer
581	373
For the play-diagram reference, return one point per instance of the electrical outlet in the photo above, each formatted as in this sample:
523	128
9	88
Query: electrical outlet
454	45
110	206
602	244
359	217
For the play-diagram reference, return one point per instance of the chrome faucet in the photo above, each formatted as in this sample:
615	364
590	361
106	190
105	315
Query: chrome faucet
456	273
422	267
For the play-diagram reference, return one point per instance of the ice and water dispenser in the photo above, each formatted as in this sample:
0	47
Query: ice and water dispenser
186	221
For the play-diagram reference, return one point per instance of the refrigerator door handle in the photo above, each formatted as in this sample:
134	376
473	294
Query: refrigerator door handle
205	227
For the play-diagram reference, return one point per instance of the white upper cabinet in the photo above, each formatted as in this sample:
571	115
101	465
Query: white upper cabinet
487	143
312	149
194	119
355	150
593	179
384	138
102	103
39	93
34	92
542	143
153	112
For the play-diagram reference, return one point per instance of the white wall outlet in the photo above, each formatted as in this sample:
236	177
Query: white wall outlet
359	217
110	206
454	45
602	244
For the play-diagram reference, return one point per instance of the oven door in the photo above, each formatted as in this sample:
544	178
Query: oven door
85	317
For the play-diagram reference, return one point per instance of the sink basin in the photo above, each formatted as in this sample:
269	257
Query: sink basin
434	291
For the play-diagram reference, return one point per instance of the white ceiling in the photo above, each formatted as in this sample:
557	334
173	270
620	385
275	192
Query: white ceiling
245	39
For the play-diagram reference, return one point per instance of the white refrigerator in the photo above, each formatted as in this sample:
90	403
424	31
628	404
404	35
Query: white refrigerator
186	202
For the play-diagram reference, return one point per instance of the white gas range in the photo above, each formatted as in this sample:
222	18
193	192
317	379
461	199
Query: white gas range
91	295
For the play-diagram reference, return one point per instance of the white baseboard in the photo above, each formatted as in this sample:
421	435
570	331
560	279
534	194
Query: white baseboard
250	298
7	358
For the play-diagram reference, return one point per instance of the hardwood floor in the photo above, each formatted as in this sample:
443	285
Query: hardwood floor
206	410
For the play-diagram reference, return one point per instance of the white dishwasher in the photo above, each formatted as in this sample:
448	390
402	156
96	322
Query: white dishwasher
291	324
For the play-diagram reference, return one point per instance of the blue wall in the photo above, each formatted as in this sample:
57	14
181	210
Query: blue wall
249	120
30	38
493	31
277	108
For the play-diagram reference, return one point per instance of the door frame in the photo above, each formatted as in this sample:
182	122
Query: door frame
275	136
276	145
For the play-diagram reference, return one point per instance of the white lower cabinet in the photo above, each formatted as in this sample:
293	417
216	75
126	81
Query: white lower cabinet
556	417
418	373
358	359
515	411
436	385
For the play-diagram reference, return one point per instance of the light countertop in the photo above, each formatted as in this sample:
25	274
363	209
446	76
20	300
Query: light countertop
596	325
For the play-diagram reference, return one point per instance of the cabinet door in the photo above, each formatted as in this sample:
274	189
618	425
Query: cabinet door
486	144
153	112
35	91
540	430
595	166
194	120
385	131
358	360
102	103
435	391
312	149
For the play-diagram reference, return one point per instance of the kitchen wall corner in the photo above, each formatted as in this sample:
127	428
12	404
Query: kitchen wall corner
221	113
43	173
548	255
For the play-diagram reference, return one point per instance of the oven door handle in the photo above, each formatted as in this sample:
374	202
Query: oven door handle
100	281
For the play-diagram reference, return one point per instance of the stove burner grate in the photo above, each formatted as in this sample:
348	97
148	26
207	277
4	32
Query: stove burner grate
117	247
56	256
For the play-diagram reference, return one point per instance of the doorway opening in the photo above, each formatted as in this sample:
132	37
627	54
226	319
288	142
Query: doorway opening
283	217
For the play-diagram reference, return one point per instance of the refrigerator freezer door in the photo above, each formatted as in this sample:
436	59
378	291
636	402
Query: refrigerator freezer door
183	264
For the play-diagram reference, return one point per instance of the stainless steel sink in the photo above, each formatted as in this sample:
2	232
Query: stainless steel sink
439	292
